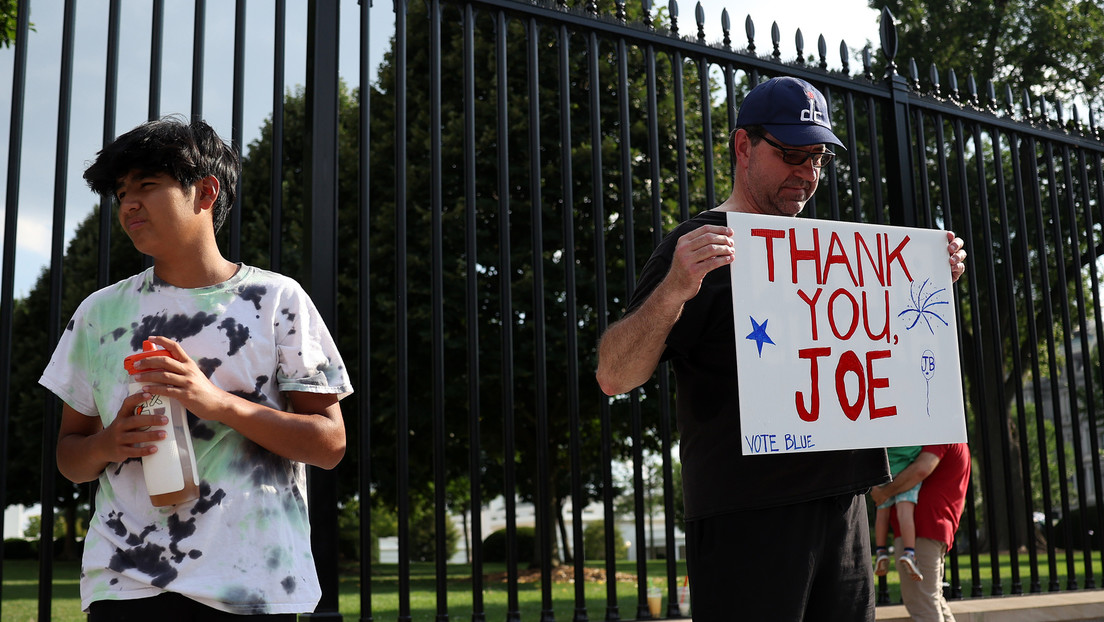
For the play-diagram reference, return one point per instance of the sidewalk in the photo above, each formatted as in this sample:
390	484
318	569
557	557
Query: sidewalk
1080	606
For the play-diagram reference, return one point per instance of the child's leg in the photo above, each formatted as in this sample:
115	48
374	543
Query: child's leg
881	531
907	560
906	523
881	527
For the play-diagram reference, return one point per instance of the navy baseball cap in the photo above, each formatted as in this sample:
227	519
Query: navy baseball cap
791	109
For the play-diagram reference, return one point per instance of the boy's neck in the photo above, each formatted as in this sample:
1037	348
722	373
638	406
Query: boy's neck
193	272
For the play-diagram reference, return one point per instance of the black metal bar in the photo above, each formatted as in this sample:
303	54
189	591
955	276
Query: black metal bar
628	217
663	374
11	219
896	133
364	313
506	311
322	144
111	83
571	319
437	312
199	36
276	171
994	308
831	173
602	293
402	353
544	518
875	181
157	45
705	97
471	277
1016	348
236	130
47	499
1098	311
852	139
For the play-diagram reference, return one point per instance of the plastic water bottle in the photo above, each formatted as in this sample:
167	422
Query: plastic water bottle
171	473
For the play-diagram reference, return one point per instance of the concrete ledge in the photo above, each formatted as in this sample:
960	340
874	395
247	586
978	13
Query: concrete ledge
1081	606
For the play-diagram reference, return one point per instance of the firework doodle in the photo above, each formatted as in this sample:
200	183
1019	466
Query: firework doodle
921	306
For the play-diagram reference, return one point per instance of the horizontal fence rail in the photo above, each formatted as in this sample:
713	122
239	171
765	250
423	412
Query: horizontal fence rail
472	213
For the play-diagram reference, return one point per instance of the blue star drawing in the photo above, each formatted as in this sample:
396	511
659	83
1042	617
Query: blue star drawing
922	306
759	334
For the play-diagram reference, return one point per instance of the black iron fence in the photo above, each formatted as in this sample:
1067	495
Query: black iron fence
471	219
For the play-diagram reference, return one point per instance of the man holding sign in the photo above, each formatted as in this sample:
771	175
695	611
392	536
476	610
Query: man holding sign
778	536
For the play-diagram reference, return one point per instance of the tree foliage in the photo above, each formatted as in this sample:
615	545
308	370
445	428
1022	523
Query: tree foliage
1052	47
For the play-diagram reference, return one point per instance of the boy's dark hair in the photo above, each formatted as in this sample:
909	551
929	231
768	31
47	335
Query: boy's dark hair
186	151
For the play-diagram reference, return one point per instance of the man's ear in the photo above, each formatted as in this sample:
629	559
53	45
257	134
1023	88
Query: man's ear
207	191
741	146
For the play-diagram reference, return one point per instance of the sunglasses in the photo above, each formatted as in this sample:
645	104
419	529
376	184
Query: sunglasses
798	157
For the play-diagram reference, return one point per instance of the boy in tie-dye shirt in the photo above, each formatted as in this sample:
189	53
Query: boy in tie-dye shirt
256	369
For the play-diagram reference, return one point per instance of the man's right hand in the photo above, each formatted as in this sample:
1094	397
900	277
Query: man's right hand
631	347
697	253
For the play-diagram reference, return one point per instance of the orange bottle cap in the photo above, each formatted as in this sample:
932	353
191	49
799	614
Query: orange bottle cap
148	349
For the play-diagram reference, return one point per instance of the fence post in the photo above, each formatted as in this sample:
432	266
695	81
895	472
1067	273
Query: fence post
322	141
901	195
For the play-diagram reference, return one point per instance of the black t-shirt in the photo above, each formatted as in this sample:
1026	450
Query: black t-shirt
701	347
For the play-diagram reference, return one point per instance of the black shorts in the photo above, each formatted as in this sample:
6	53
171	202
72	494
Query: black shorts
804	562
169	607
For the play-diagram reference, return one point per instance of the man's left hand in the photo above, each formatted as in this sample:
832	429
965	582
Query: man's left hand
956	250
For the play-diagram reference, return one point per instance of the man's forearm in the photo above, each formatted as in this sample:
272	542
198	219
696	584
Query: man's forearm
631	348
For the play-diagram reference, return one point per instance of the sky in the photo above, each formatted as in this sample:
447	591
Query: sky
848	20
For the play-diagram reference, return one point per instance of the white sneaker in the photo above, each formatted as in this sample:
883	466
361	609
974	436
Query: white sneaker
881	565
907	563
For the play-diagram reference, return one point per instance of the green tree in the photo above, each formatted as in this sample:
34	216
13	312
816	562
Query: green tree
1043	45
32	346
381	300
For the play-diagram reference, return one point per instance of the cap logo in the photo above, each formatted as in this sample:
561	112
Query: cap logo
811	114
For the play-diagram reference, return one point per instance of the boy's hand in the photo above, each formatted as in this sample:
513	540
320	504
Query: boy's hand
180	378
130	428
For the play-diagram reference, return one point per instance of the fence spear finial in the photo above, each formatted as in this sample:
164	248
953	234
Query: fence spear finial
888	31
726	27
799	43
776	41
749	30
933	75
673	10
845	56
914	73
699	16
822	50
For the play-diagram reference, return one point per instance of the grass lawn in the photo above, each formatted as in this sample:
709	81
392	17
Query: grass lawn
20	594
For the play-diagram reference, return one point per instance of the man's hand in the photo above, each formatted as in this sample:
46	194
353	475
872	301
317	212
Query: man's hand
697	253
956	250
631	347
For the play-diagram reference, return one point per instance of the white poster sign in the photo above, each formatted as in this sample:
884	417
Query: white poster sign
846	336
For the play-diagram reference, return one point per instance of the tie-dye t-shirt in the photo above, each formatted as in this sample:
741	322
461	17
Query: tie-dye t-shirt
244	545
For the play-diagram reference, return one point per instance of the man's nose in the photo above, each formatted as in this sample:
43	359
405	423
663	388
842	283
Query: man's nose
806	170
